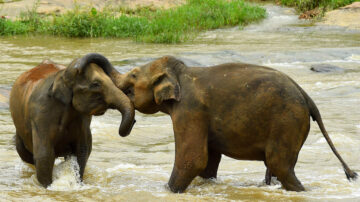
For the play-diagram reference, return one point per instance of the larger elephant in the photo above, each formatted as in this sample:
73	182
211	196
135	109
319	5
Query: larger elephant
52	109
243	111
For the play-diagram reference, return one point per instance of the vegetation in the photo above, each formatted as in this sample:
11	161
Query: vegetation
306	5
174	25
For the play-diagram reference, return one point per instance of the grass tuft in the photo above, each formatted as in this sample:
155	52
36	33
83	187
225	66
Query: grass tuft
174	25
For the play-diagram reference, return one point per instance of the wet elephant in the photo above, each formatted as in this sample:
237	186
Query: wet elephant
244	111
52	108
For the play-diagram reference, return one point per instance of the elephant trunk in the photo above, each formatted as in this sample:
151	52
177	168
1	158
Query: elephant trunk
129	113
96	58
115	96
128	117
118	79
122	103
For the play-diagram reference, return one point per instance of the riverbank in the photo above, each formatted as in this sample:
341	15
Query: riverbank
339	13
313	9
144	24
325	5
14	8
347	16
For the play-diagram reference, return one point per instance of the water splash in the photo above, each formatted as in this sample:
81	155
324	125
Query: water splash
66	175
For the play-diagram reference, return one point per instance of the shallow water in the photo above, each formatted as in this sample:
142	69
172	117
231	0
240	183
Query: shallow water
136	168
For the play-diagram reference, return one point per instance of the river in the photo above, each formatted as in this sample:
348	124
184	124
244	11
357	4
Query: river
136	168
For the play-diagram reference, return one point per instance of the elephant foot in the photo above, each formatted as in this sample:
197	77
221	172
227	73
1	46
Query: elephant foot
287	178
268	176
207	175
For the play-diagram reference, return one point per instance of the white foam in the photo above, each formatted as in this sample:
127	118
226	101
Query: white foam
354	57
66	176
123	166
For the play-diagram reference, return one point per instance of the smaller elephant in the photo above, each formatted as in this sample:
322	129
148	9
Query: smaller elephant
52	108
244	111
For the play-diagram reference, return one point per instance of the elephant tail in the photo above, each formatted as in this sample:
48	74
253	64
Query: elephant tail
315	114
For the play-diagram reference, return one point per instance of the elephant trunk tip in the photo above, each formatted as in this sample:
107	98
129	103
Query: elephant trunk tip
127	110
125	132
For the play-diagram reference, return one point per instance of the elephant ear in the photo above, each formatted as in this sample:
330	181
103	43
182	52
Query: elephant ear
165	88
60	90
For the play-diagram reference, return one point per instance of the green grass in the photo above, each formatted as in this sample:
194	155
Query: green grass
8	27
306	5
174	25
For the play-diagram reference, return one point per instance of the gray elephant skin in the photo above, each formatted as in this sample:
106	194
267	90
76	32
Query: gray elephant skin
52	109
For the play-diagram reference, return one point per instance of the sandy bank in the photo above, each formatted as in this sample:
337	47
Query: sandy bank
14	8
347	16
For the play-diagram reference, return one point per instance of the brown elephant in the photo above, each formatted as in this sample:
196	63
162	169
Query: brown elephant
243	111
52	108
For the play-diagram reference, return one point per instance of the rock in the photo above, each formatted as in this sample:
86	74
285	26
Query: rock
326	68
355	5
348	16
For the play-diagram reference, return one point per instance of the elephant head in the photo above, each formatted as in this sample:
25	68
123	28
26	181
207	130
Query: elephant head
87	85
151	85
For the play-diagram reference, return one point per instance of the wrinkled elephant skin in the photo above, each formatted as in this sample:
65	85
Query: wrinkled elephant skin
243	111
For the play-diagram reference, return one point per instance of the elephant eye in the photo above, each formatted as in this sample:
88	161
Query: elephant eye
95	84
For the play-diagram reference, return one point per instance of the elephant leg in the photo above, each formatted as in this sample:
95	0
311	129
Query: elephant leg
24	154
185	171
83	150
282	152
268	176
211	169
82	156
191	149
282	165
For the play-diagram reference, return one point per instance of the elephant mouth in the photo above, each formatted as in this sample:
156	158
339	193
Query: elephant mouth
98	112
129	92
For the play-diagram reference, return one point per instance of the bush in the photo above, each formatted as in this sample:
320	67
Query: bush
9	27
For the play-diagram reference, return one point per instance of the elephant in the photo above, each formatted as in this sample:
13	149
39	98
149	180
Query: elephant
52	108
244	111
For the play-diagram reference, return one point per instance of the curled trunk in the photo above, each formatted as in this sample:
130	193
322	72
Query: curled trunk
115	97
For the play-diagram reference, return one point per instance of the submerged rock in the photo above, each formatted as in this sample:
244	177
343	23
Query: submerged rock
326	68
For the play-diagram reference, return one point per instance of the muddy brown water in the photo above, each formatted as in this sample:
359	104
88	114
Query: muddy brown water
136	168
